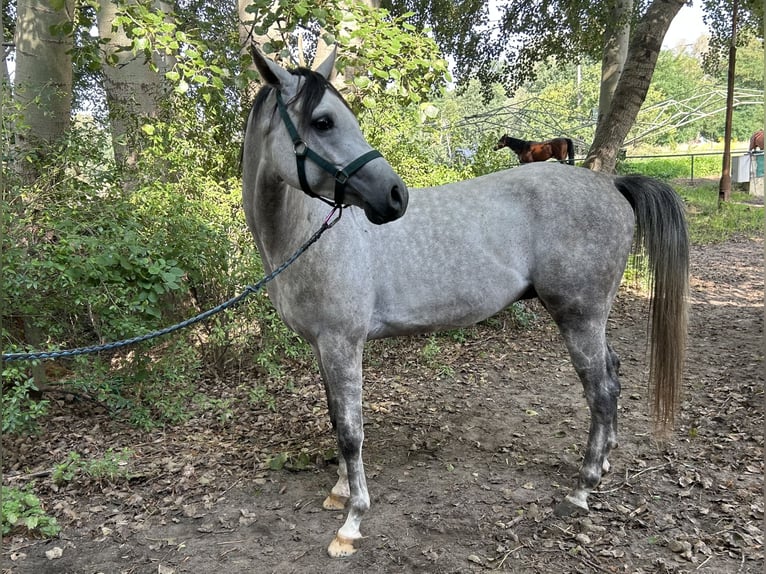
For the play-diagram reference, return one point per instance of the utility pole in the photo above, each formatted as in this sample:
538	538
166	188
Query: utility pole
724	187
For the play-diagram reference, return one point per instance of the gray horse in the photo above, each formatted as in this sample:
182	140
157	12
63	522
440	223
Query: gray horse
462	253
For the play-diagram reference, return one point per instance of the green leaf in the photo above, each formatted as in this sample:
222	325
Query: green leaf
31	522
361	82
429	110
278	462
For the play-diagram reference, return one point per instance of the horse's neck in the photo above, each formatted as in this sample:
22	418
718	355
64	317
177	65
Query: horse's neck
282	218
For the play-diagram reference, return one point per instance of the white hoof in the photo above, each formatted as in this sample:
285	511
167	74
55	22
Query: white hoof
334	502
340	547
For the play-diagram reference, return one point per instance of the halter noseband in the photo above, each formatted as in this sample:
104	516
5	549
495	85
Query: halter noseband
303	151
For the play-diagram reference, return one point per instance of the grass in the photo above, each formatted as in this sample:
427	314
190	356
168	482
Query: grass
710	222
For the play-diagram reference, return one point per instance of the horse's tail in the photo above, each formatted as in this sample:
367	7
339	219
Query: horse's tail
661	235
570	150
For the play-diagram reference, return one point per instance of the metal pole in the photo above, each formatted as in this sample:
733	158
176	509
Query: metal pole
724	187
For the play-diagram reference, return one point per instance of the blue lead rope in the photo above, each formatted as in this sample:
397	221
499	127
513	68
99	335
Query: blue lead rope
234	301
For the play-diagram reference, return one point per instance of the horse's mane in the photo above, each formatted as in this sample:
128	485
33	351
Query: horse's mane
515	144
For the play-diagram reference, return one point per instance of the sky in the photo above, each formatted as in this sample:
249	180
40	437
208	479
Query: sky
686	27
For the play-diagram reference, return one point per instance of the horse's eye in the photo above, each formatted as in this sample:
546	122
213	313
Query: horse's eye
323	123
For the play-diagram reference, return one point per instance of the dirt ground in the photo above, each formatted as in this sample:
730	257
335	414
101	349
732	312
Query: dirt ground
471	439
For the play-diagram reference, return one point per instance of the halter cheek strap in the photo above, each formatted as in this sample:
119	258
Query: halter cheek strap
303	151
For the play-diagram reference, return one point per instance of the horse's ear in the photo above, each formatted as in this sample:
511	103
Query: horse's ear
271	73
327	68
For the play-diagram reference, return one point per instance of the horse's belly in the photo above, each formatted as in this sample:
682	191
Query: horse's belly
442	307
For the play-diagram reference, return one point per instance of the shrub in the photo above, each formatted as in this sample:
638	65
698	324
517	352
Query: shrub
20	410
22	509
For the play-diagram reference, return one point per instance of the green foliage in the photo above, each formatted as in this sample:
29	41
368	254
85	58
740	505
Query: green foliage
89	259
520	314
411	147
20	411
111	467
260	395
718	17
22	509
387	58
154	30
95	252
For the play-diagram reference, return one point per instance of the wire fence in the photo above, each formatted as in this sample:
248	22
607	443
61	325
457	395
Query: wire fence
696	154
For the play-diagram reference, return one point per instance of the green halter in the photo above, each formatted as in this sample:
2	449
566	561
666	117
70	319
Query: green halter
303	151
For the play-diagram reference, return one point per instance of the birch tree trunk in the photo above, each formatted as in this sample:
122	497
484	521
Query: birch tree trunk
616	41
43	77
633	85
133	90
43	93
6	81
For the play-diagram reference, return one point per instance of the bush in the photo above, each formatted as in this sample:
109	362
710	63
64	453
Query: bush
20	410
89	258
22	509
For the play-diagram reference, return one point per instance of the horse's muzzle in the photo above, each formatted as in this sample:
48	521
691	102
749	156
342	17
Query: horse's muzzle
390	208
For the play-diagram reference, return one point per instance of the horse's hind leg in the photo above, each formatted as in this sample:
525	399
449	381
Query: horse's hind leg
597	366
341	367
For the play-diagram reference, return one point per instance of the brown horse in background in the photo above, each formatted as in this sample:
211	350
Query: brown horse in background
561	149
756	142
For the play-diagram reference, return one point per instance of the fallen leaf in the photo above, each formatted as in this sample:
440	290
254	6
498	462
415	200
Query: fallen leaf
54	553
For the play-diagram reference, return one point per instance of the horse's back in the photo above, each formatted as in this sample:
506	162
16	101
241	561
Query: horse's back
465	251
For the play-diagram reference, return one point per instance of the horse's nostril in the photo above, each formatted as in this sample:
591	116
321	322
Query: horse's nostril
396	197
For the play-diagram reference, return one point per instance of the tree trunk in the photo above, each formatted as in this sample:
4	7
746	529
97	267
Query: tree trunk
616	40
43	93
6	81
133	90
5	104
633	85
43	78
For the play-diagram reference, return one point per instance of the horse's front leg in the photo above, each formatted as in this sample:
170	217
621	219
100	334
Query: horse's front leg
341	366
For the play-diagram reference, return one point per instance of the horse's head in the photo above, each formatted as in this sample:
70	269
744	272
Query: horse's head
314	143
514	144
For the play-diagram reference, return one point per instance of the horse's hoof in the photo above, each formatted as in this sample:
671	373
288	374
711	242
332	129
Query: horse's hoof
340	547
334	502
570	506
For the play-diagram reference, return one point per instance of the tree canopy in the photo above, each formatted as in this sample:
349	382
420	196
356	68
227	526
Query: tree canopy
503	42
